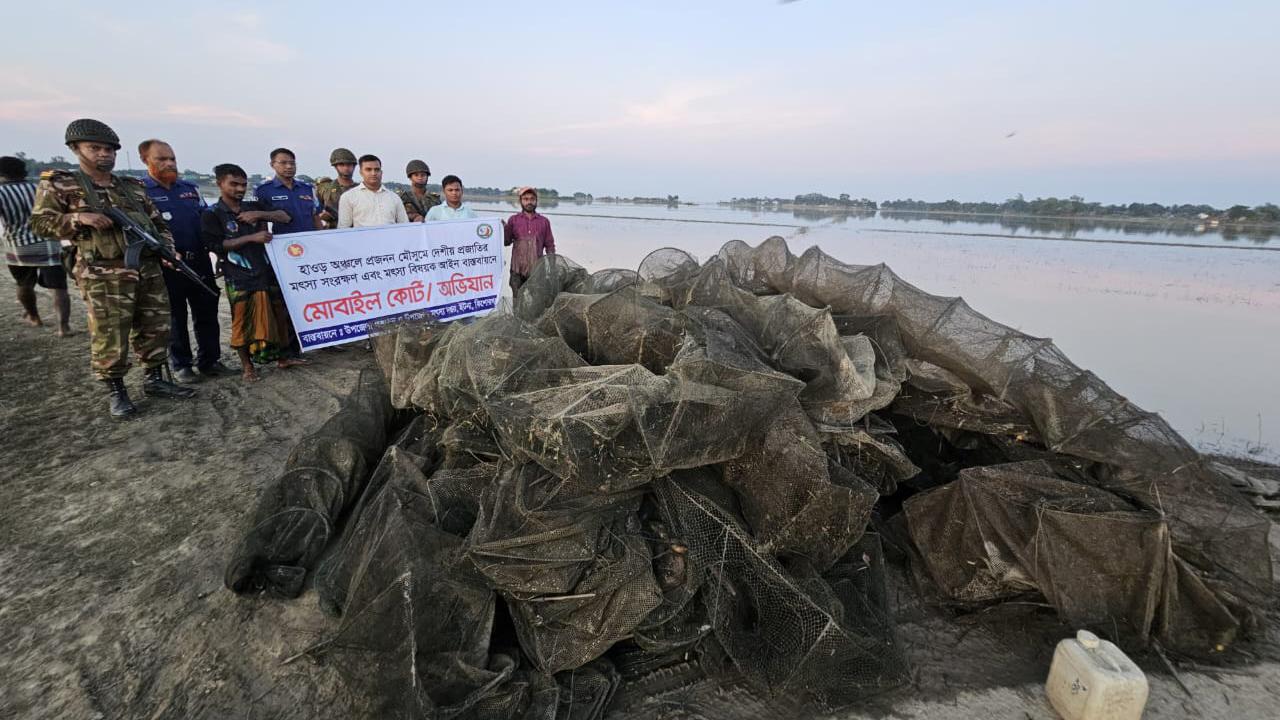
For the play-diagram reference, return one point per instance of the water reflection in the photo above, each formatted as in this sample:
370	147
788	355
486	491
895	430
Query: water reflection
833	216
1072	227
1106	230
1066	227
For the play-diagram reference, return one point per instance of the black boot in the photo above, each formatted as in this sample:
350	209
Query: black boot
121	406
156	386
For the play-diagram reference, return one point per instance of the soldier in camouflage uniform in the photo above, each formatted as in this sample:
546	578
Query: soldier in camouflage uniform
125	305
417	201
328	190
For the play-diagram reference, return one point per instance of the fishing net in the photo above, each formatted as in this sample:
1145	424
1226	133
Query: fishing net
638	485
298	512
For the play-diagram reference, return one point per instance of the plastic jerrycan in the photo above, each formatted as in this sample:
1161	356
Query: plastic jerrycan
1092	679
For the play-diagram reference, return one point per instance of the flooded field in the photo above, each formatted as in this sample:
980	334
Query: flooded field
1183	323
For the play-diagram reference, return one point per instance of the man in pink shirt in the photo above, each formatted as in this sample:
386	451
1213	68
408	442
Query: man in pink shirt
530	236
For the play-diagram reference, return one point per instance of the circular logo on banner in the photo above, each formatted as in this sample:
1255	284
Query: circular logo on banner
295	250
484	231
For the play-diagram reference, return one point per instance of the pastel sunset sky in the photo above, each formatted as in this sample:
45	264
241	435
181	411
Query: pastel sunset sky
1137	101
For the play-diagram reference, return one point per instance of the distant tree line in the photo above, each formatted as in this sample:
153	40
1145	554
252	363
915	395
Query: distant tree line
670	200
1076	206
808	200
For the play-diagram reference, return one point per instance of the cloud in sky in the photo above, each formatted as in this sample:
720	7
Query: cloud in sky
213	115
25	101
245	35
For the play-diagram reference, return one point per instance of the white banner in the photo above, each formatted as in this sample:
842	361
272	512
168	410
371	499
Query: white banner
337	283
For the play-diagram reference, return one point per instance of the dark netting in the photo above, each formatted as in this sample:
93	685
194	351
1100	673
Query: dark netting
552	275
416	618
818	512
298	512
624	327
1073	411
638	486
608	280
667	274
1006	530
402	352
787	631
872	453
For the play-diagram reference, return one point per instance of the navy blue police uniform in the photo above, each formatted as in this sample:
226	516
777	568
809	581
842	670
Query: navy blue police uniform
181	206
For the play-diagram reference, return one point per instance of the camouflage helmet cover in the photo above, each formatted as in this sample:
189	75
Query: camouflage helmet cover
89	130
342	155
415	166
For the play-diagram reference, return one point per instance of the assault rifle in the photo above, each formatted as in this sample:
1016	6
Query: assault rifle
137	239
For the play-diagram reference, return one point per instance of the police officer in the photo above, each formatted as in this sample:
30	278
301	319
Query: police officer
417	201
125	305
286	192
180	205
328	190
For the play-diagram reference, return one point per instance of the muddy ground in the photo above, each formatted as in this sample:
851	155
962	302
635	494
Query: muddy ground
113	538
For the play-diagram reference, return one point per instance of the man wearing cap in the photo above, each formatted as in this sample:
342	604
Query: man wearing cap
126	305
529	235
328	190
417	201
180	205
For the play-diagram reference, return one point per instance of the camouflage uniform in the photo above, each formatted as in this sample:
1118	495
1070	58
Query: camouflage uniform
414	204
125	306
327	192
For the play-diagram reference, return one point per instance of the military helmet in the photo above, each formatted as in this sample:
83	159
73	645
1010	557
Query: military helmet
89	130
342	155
416	166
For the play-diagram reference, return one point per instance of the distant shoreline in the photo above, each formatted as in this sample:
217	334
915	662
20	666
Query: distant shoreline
1238	219
1212	223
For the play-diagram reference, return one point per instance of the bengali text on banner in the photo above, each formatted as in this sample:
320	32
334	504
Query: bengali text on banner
340	284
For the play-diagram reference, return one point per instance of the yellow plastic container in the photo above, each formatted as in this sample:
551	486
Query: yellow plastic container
1092	679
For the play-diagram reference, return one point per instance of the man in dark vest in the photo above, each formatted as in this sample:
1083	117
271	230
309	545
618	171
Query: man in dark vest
126	305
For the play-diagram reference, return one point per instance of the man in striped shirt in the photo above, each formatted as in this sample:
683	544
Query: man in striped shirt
32	259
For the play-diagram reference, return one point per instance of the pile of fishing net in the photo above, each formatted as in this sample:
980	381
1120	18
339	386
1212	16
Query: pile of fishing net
632	481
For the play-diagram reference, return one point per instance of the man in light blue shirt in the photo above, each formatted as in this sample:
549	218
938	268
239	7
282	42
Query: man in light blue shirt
452	209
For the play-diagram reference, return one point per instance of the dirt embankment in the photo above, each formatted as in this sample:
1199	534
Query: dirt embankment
113	538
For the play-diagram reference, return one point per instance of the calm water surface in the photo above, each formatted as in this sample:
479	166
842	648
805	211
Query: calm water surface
1190	332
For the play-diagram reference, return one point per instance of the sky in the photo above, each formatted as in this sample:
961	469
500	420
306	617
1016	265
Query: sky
1142	101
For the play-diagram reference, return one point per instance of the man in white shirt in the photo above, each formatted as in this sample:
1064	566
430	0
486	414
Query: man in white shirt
370	204
452	209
